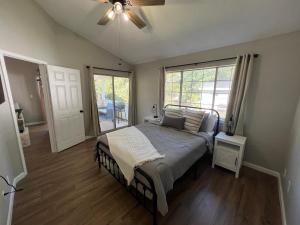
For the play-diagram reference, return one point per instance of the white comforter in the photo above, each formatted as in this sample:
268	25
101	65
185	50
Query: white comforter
131	148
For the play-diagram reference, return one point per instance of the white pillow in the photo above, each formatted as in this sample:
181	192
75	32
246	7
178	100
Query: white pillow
193	120
211	123
204	122
173	112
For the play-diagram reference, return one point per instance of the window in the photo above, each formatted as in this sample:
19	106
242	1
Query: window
112	94
205	87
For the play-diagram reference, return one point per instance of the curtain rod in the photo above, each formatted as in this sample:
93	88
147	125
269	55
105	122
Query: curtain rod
100	68
209	61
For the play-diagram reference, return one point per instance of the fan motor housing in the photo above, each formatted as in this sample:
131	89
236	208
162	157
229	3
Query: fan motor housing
123	2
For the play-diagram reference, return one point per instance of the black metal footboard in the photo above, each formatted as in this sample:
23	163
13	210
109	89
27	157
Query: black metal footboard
142	187
144	192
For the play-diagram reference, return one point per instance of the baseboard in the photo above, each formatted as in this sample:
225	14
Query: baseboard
12	197
261	169
280	189
35	123
281	199
88	137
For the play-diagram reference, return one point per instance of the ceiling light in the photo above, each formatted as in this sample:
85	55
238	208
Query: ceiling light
126	18
111	15
118	7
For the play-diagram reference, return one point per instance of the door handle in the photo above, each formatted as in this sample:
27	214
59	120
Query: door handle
81	111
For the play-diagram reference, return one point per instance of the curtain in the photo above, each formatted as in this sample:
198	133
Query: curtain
132	99
94	118
238	94
162	89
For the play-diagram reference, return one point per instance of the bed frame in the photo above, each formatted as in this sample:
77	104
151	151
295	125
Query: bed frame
143	191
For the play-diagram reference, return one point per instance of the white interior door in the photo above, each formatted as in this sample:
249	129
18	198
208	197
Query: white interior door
66	98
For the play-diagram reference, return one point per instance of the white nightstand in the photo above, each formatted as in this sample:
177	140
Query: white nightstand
229	152
151	119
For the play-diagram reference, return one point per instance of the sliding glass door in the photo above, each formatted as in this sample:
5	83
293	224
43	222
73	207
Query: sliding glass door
112	95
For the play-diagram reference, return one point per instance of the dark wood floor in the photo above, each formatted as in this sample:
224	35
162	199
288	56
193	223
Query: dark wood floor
68	189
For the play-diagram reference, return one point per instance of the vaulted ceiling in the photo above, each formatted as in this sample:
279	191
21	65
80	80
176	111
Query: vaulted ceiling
180	27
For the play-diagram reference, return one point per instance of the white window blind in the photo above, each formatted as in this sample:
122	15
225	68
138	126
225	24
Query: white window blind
203	87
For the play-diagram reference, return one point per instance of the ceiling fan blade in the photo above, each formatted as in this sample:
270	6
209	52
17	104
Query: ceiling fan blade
102	1
146	2
105	19
135	19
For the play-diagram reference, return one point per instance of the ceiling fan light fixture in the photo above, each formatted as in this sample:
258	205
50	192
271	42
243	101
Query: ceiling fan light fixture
111	15
125	16
118	7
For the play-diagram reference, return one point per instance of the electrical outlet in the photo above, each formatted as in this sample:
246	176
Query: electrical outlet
284	172
289	186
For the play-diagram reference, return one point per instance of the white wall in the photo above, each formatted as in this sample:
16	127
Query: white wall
27	30
273	93
22	78
292	165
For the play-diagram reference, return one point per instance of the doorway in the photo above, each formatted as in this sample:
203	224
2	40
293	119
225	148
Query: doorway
28	102
112	95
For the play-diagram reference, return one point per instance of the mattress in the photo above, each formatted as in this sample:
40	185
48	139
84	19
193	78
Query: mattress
181	149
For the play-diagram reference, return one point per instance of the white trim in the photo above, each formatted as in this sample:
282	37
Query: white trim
18	178
12	197
89	137
21	57
261	169
48	106
280	189
35	123
12	109
46	91
281	199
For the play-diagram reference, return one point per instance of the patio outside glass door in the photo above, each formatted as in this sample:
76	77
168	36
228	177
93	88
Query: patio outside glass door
112	95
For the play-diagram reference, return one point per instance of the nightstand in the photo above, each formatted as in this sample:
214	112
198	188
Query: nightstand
229	152
151	119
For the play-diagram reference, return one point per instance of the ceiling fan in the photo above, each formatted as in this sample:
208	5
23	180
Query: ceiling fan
121	7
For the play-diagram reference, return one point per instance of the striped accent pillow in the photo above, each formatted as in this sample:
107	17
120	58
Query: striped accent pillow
193	120
174	113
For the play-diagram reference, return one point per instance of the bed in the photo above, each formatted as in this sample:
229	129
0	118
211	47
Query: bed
153	180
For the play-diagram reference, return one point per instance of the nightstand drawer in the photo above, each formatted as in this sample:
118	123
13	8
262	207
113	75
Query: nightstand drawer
227	158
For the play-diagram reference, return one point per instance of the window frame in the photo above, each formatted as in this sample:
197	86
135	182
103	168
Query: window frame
214	91
114	75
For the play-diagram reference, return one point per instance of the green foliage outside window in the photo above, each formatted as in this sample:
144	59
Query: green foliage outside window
104	85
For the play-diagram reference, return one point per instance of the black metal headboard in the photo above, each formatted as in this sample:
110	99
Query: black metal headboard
216	130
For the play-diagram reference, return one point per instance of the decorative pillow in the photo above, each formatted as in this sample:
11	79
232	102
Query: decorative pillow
209	123
204	122
173	112
175	122
193	120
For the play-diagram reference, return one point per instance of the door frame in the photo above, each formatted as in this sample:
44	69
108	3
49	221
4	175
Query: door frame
48	106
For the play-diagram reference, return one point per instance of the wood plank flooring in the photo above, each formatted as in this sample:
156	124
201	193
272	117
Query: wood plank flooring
67	188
